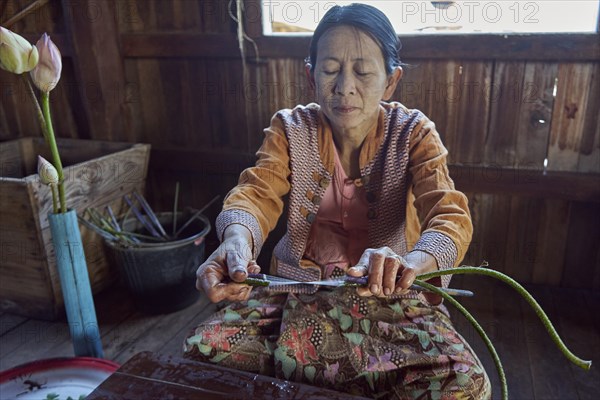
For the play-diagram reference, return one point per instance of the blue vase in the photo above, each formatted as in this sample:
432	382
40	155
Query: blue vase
75	284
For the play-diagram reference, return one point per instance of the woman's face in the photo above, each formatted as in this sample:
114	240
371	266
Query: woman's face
350	79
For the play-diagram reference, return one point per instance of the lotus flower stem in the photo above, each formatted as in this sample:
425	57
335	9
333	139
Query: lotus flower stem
36	104
527	296
90	224
117	227
141	218
54	150
101	223
24	12
54	198
113	218
478	328
150	214
193	217
125	216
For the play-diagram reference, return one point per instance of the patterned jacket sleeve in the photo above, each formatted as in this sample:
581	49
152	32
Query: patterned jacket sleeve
443	212
256	202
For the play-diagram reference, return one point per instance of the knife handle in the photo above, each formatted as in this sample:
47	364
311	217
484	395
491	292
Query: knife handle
256	282
353	281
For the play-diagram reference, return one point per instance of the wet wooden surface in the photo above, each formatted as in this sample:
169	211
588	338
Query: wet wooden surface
159	376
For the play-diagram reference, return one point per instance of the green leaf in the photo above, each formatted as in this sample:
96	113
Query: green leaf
462	379
231	316
252	303
438	338
458	346
435	385
310	372
204	349
396	307
288	364
220	357
334	313
365	324
354	338
52	396
432	352
423	339
345	322
253	315
194	340
417	393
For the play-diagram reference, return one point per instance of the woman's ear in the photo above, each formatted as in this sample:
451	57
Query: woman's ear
309	75
392	82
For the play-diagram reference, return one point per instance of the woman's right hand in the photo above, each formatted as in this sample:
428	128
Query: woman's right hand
220	276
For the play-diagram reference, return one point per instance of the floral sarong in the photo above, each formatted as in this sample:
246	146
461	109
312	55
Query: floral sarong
379	348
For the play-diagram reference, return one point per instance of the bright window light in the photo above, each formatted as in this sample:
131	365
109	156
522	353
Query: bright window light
300	17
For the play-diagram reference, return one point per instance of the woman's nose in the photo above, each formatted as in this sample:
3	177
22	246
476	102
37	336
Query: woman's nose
345	84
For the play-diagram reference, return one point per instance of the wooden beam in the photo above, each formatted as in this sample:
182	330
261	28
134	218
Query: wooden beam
479	179
572	186
537	47
99	70
174	45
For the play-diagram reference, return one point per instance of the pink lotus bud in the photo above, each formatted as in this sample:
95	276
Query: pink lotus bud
17	55
48	174
47	73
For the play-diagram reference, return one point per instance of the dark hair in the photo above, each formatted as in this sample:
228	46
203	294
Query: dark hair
366	18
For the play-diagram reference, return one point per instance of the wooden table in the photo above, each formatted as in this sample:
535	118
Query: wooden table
150	375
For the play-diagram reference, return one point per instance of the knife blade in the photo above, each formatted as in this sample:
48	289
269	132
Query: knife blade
349	281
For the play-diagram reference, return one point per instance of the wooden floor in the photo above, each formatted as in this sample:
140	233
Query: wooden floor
534	367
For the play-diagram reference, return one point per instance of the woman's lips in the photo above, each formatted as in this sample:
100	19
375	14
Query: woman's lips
345	109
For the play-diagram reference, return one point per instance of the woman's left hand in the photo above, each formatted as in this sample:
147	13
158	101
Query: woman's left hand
390	274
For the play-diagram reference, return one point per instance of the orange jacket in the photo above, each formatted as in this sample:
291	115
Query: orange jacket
433	206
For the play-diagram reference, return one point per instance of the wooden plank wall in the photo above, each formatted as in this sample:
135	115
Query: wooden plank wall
505	114
176	81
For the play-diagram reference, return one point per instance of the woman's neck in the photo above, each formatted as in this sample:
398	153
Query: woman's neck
348	141
348	145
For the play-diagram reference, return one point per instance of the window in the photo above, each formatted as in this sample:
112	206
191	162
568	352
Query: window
300	17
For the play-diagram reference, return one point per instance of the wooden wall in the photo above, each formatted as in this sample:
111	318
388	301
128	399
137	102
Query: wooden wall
168	72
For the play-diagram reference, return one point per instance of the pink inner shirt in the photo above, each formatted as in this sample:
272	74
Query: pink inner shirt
339	234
